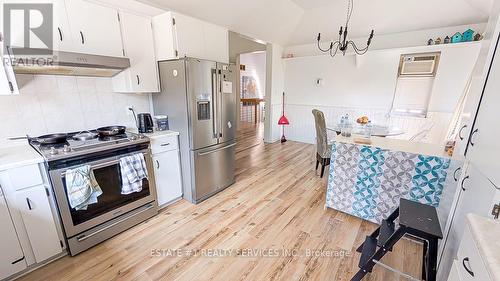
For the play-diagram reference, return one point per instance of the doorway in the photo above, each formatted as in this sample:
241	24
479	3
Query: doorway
249	57
252	98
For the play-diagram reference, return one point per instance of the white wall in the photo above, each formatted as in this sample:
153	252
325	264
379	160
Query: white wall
50	104
255	66
386	41
274	90
364	85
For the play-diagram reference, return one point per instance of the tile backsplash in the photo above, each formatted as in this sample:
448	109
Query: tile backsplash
51	104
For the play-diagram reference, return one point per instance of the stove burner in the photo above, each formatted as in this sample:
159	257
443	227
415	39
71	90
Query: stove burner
81	143
84	136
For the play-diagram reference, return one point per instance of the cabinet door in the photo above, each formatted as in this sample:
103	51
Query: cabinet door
167	176
216	43
8	83
454	273
484	143
190	37
34	207
138	43
62	38
477	196
95	29
12	257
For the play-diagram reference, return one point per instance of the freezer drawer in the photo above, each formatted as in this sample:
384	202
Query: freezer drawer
213	170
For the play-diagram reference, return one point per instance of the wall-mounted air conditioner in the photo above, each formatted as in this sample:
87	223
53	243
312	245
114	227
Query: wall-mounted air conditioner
423	64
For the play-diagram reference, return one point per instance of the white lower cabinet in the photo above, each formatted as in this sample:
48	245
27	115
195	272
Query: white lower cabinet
469	265
29	227
11	257
34	207
167	168
168	176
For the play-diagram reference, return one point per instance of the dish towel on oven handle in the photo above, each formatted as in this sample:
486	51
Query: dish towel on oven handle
82	187
133	171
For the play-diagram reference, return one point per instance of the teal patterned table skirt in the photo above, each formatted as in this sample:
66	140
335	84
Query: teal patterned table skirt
367	182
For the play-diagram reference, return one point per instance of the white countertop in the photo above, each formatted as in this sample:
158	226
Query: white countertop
159	134
486	233
18	154
399	145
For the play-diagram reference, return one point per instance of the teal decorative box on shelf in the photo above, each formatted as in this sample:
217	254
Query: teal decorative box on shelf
468	35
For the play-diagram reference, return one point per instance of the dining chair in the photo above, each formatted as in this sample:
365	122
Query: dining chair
323	150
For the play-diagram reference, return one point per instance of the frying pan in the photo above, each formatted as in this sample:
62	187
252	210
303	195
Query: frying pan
111	131
46	139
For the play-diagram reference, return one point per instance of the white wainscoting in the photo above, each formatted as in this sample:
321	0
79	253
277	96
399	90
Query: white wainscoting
302	127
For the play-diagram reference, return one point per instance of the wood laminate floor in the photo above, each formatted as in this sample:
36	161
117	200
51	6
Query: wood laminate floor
276	203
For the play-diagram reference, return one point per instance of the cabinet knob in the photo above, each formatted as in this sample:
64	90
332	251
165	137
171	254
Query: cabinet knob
463	182
455	173
471	140
157	164
60	34
83	38
460	132
466	260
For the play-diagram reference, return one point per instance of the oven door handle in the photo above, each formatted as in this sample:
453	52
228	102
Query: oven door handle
105	164
85	237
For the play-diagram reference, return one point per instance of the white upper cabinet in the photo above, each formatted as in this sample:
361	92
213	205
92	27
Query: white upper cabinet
63	41
8	83
190	36
216	42
95	29
138	44
12	257
178	36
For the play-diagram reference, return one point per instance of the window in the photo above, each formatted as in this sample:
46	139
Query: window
412	96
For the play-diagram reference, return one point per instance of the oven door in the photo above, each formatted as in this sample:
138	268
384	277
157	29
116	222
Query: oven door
111	203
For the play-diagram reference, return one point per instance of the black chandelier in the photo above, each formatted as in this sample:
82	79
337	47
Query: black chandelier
342	44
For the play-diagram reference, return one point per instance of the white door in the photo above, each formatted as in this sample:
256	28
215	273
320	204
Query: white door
12	257
95	29
167	176
483	147
190	37
477	196
138	43
34	207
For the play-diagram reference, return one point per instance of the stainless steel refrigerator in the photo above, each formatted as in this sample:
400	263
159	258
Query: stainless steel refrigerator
199	98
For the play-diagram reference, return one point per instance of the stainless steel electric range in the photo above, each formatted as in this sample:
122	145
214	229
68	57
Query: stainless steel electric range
114	212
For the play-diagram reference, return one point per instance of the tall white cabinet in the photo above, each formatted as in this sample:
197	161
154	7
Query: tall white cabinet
479	186
138	45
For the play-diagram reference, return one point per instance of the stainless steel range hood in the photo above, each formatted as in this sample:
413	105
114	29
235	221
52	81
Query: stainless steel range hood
66	63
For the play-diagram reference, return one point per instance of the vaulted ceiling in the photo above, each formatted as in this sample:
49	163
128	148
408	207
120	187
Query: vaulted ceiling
293	22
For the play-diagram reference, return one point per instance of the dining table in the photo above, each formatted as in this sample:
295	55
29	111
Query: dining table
377	130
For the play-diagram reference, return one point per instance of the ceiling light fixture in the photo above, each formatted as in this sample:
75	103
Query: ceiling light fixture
342	44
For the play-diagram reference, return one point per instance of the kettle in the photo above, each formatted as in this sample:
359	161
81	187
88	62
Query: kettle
144	123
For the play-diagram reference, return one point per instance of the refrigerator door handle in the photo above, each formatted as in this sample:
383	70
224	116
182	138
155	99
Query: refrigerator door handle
214	104
216	150
219	102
